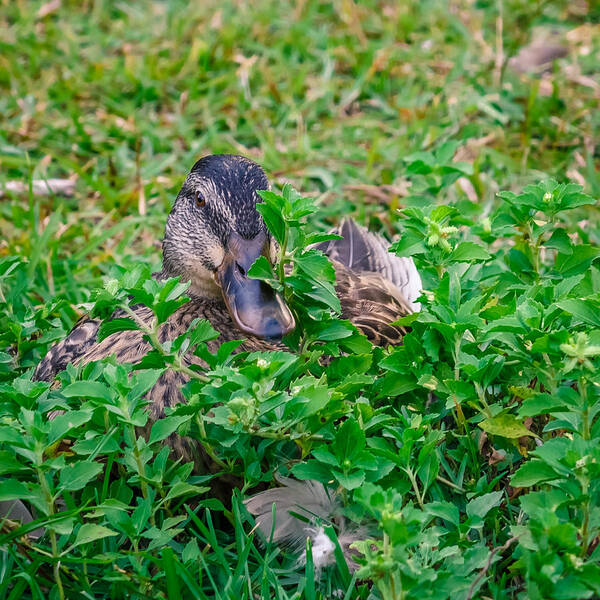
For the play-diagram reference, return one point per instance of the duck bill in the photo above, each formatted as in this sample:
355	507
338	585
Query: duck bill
253	305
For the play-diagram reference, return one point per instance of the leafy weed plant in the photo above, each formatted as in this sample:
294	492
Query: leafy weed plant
469	453
468	456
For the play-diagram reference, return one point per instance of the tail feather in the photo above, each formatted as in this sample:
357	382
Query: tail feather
362	250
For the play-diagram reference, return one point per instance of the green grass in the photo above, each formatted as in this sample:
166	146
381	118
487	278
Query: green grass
330	97
337	98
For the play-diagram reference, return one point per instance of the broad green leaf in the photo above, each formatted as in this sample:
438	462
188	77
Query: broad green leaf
12	435
570	587
119	324
349	441
163	428
444	510
261	269
9	463
202	331
469	252
312	469
191	552
323	455
533	472
317	238
349	480
89	532
66	422
12	489
584	310
480	506
543	505
540	404
336	330
273	220
165	309
505	425
78	475
578	261
182	488
88	389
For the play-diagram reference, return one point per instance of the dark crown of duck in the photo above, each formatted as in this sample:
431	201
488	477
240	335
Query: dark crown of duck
213	235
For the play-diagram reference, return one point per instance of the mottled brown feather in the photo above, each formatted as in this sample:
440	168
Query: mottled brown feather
371	303
368	299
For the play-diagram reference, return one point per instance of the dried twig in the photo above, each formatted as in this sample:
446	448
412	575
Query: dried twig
40	187
487	566
382	192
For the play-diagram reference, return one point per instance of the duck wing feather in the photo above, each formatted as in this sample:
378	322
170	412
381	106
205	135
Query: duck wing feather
81	339
363	251
371	303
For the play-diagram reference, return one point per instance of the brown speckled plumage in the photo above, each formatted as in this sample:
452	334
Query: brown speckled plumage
374	287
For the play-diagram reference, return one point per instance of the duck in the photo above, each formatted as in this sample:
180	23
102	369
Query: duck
213	234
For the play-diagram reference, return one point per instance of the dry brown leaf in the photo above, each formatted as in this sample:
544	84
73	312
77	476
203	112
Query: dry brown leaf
48	8
40	187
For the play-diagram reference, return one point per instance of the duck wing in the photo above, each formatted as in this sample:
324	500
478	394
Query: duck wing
82	345
371	303
363	251
81	339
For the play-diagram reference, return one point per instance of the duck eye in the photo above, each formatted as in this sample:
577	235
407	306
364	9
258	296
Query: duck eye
200	200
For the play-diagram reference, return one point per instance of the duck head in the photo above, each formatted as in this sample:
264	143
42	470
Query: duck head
213	236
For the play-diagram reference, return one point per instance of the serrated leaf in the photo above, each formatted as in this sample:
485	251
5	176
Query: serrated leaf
261	269
272	218
202	331
584	310
349	440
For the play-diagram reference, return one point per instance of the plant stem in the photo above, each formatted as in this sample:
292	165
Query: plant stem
585	482
55	555
461	416
459	412
449	483
140	468
282	253
152	333
585	416
206	444
415	485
